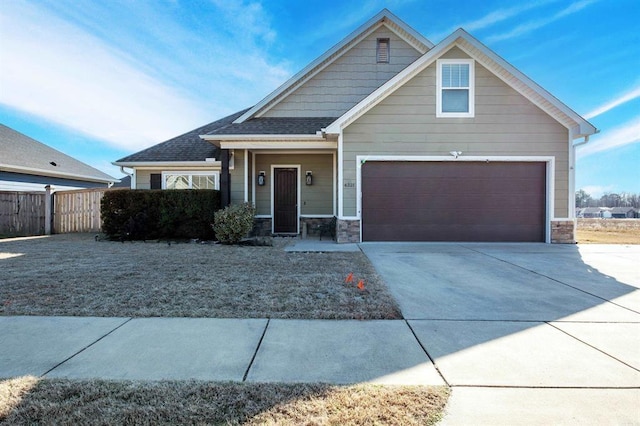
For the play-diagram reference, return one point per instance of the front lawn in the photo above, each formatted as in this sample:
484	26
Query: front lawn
75	275
27	400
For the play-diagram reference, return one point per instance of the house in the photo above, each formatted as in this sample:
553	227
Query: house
590	212
398	138
29	165
622	212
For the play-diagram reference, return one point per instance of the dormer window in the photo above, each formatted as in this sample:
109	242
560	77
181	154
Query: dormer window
455	96
382	51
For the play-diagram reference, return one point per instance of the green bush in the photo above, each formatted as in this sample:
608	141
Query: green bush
234	222
153	214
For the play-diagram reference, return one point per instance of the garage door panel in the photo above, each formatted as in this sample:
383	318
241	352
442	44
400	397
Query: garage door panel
445	201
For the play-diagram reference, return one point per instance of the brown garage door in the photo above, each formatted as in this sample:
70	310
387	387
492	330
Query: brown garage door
453	201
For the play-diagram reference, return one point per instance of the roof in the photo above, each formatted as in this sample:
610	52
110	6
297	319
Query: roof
621	209
490	60
186	147
384	17
276	126
21	154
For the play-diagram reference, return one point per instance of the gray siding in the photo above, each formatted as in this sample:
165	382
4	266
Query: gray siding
237	177
316	199
348	80
505	124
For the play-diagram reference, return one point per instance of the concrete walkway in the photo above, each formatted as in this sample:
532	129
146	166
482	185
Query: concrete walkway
523	333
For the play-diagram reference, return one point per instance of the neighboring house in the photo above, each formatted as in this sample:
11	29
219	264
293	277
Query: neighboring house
125	182
622	212
590	212
400	139
29	165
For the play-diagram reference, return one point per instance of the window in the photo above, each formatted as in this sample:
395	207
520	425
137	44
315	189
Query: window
189	180
382	51
455	94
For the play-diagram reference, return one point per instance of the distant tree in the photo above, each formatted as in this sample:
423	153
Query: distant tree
582	198
610	200
624	199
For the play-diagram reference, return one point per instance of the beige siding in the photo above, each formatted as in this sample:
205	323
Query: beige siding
348	80
316	199
505	124
143	178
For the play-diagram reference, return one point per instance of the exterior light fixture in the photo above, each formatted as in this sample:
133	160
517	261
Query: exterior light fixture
262	178
309	178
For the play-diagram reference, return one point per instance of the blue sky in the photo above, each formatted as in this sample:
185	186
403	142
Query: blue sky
100	80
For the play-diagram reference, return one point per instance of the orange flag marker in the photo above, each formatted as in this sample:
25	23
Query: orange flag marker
349	278
361	285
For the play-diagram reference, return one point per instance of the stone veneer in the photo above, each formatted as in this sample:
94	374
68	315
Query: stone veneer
348	231
563	231
261	227
313	223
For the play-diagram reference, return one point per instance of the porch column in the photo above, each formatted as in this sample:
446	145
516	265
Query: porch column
225	179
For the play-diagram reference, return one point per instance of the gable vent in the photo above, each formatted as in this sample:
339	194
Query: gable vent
382	51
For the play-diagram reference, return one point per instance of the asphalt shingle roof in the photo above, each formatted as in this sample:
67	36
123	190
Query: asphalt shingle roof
276	126
190	147
186	147
22	154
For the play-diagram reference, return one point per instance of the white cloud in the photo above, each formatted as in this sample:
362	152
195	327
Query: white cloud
135	75
534	25
626	97
492	18
628	133
58	72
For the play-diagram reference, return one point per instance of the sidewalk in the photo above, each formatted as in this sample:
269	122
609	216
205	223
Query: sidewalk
384	352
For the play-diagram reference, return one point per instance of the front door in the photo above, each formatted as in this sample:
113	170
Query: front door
285	201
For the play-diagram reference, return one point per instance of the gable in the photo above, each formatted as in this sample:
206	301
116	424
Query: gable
383	18
348	80
461	40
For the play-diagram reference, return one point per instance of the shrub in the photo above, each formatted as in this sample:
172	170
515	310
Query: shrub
152	214
234	222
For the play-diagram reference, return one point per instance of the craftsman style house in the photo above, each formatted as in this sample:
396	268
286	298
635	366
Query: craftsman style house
398	139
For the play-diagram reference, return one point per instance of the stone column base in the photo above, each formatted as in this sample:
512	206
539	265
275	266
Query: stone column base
563	231
348	231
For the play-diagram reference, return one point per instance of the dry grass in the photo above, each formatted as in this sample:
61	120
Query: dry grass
75	275
608	231
72	402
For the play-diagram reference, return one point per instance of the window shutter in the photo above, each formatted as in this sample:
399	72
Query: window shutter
156	181
382	51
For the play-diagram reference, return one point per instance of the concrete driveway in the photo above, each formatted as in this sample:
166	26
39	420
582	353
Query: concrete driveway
528	333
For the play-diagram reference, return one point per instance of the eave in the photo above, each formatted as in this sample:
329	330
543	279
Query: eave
300	142
138	164
63	175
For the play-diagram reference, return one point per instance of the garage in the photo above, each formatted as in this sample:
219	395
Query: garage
453	201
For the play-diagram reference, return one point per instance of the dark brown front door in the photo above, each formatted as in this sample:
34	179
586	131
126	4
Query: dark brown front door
447	201
285	201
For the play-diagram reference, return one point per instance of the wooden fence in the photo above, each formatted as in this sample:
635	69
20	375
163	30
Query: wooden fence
77	210
22	213
25	213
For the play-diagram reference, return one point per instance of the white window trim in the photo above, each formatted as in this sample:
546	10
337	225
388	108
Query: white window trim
472	85
215	174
